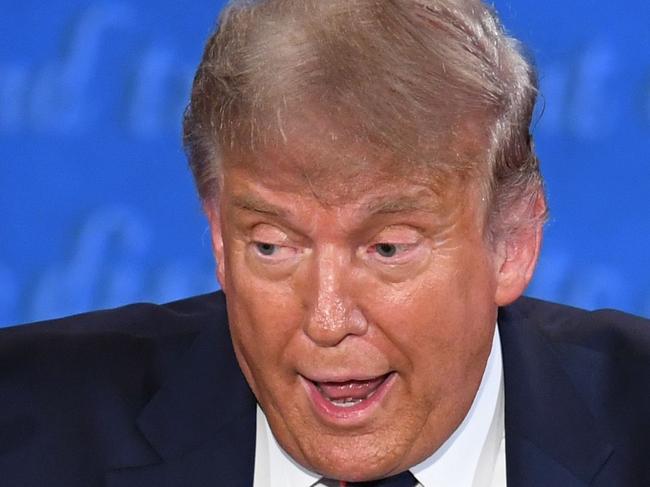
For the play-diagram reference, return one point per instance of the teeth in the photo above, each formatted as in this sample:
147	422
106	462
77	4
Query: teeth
348	402
345	403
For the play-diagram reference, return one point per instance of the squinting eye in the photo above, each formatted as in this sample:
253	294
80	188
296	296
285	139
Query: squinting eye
386	249
265	248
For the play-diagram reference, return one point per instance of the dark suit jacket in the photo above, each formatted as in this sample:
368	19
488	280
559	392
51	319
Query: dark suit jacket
152	396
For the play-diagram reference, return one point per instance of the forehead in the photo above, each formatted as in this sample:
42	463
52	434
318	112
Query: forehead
338	171
297	182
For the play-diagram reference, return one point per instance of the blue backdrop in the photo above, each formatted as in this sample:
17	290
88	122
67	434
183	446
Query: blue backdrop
98	208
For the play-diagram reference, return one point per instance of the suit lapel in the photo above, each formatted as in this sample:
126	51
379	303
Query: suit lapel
201	422
551	436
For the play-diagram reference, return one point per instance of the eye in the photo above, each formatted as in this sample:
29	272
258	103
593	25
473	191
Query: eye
391	252
396	245
394	256
386	250
273	253
265	248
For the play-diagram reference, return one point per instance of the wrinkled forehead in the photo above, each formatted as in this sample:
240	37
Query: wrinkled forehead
337	164
358	188
328	173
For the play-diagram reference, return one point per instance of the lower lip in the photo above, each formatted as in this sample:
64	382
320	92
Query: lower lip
348	415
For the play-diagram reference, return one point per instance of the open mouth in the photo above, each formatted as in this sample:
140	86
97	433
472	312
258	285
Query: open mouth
343	400
349	393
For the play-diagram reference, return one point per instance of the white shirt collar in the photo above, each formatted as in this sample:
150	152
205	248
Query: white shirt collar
273	466
466	459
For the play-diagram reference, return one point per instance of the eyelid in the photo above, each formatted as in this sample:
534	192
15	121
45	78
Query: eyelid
401	247
398	233
277	234
407	240
285	247
405	254
282	253
266	233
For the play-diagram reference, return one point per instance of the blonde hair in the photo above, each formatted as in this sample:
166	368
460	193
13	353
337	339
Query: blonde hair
437	82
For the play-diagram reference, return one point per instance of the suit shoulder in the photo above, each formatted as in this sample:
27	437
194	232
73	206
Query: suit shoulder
138	319
605	354
605	330
74	387
112	346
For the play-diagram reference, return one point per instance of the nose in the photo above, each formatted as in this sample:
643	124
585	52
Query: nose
332	312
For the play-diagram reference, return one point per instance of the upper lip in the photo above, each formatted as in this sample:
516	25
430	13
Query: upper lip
341	377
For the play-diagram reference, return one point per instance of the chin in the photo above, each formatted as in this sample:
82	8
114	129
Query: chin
353	458
355	467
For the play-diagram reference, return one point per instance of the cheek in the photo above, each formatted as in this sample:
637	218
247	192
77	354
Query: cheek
264	317
261	314
441	319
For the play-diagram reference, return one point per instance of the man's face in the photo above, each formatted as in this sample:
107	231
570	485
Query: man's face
362	313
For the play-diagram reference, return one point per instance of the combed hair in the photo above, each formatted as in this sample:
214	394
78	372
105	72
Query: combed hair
437	83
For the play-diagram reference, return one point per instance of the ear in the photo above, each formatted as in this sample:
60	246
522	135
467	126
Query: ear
517	256
214	219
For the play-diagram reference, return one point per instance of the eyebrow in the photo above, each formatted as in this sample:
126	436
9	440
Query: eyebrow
252	203
378	206
400	204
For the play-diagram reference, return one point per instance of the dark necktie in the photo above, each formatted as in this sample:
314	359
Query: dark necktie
404	479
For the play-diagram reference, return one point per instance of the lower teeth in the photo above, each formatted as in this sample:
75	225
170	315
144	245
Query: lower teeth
349	401
345	403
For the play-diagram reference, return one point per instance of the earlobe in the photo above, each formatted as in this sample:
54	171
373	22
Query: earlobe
216	234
